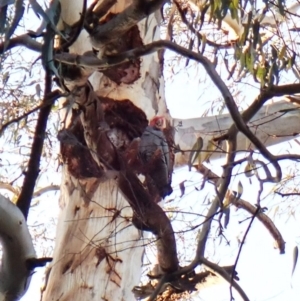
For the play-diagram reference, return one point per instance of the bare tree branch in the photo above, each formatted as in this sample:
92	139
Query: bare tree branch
33	169
46	189
241	246
19	11
203	235
239	203
287	194
22	40
9	187
223	273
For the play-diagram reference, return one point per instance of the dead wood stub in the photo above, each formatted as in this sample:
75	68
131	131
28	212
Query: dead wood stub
128	72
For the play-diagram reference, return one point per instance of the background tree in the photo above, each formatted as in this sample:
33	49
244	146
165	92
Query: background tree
104	62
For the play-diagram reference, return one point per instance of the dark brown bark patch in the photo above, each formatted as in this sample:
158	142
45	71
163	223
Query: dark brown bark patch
125	116
78	157
116	125
129	72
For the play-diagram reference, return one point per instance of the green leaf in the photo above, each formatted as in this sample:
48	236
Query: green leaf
280	5
249	169
226	212
250	61
195	152
282	52
273	75
255	32
274	52
237	53
295	258
203	43
211	147
239	190
242	63
261	75
246	29
233	6
235	3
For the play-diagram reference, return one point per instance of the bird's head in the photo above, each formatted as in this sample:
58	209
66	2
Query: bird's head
158	122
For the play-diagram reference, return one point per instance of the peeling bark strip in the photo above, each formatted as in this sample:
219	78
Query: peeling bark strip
100	142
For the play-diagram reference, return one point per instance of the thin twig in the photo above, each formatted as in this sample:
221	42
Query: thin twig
240	250
50	99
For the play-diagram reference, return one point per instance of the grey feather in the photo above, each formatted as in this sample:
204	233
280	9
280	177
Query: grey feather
151	140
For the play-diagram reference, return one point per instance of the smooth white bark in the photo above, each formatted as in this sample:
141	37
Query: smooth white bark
265	124
98	253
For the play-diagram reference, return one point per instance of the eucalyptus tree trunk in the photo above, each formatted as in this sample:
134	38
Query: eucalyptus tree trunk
98	253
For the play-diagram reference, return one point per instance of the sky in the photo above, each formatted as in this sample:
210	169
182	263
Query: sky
264	273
